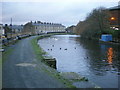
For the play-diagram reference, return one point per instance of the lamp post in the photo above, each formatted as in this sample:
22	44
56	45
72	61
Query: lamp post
11	27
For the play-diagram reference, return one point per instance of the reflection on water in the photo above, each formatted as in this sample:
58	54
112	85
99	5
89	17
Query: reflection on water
110	55
97	61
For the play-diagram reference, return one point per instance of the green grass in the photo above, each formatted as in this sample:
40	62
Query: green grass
6	53
38	51
52	72
7	50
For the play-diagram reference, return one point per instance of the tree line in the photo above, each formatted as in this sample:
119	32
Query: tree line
97	23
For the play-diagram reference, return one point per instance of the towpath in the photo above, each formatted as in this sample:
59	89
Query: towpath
21	69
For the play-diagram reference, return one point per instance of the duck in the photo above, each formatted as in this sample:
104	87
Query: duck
65	49
52	45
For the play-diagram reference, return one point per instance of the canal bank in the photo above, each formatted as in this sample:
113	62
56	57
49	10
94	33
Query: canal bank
96	61
71	77
99	40
40	53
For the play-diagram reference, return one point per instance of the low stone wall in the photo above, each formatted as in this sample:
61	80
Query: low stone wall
9	41
50	61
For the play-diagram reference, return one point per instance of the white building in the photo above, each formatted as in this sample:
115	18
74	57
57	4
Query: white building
41	27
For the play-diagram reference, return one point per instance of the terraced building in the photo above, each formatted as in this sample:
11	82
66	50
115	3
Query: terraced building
43	27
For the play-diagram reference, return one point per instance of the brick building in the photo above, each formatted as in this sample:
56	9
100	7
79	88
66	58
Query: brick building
115	17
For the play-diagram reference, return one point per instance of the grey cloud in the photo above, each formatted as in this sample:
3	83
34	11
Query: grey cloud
67	13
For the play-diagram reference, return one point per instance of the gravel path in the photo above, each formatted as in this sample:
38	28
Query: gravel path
23	70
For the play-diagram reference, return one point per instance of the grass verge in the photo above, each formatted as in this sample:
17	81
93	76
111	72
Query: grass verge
52	72
6	53
38	50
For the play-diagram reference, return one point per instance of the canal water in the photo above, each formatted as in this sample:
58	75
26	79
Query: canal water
99	62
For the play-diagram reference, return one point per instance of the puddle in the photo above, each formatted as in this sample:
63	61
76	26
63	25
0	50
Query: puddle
26	64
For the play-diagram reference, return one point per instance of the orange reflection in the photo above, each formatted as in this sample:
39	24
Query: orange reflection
110	55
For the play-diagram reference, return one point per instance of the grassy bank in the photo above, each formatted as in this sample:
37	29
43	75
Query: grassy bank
38	50
52	72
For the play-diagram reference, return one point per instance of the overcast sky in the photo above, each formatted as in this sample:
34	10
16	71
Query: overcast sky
66	12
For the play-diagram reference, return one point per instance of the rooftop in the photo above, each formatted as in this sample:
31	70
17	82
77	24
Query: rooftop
17	27
46	24
115	8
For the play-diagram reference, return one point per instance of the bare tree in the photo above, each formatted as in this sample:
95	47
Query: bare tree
95	23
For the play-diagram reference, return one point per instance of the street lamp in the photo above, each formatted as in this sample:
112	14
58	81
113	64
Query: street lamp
112	18
11	27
